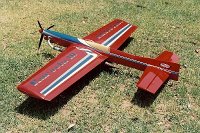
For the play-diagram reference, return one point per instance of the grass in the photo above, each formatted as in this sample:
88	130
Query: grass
107	100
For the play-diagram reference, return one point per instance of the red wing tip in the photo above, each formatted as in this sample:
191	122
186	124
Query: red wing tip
30	93
48	99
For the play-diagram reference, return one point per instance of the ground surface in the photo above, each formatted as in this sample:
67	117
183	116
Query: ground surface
107	100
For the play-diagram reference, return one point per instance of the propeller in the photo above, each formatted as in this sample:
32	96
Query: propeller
40	25
42	35
50	27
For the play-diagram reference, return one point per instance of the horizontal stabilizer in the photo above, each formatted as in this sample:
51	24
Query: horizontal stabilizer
152	79
168	56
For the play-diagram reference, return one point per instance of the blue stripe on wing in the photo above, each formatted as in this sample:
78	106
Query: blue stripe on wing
67	74
108	42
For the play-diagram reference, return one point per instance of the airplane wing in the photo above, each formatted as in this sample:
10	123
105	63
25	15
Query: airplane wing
113	34
60	73
153	78
74	62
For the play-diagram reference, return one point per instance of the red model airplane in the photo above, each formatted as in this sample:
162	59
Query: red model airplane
82	55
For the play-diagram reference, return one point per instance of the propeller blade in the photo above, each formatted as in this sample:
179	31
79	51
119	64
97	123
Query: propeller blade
40	42
40	25
42	35
50	27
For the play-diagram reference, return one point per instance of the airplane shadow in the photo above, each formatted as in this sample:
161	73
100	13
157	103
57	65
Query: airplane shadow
43	109
48	55
126	43
145	99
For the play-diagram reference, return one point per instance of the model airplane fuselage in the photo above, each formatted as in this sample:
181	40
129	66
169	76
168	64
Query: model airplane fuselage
82	55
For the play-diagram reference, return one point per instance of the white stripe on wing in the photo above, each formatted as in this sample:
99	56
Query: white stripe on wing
117	35
69	73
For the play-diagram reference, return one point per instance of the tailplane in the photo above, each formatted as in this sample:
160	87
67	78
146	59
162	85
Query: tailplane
153	78
170	57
